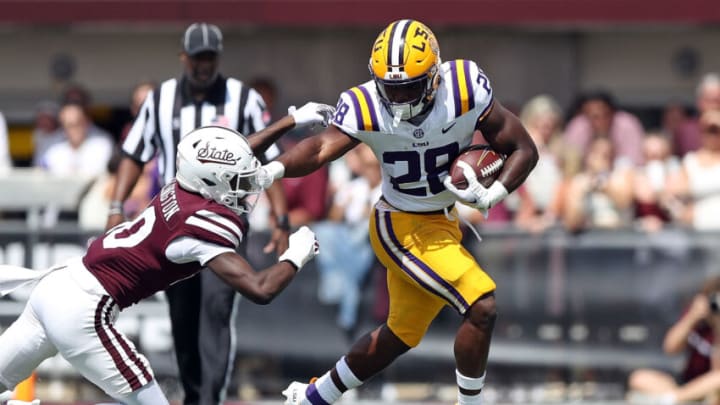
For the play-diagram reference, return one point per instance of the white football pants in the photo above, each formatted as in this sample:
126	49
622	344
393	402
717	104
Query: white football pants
71	313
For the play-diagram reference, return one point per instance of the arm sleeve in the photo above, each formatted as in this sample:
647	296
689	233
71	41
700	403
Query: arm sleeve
186	250
214	227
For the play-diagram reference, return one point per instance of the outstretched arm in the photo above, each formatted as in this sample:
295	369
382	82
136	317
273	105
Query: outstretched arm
312	153
309	114
263	286
263	139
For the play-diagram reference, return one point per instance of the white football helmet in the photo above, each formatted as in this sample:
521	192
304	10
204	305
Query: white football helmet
218	163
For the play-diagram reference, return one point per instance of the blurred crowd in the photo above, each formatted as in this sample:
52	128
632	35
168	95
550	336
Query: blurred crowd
600	166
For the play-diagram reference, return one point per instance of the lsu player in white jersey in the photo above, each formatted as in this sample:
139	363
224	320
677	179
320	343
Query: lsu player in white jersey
416	114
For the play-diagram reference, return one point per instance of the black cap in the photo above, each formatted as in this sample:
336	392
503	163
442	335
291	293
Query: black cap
202	37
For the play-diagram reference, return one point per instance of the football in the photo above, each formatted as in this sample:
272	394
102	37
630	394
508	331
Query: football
483	159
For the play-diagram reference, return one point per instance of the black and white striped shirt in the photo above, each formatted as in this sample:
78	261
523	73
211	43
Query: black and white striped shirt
170	112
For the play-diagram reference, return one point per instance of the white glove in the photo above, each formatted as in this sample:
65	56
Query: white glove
312	113
303	247
268	173
476	195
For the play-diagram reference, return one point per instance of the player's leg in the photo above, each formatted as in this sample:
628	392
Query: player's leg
374	351
432	256
81	326
216	337
184	304
148	394
414	303
24	346
472	345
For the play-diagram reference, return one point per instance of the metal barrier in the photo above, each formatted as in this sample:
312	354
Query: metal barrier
599	300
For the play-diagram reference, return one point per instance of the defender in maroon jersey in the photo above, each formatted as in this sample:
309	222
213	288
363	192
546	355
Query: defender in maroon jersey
193	223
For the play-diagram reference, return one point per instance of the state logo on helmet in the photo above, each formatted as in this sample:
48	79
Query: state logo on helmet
404	63
218	163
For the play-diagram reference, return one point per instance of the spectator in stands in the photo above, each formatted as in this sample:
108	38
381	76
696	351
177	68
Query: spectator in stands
269	92
694	333
148	183
687	137
46	131
598	116
307	196
344	235
695	189
650	182
674	116
76	93
5	161
542	117
95	205
137	98
85	150
601	194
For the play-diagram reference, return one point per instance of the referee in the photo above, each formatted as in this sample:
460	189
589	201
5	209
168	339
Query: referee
202	308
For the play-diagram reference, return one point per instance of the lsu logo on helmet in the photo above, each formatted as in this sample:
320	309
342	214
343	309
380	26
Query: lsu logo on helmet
404	63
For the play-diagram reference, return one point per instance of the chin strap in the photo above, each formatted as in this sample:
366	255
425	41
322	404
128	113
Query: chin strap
396	119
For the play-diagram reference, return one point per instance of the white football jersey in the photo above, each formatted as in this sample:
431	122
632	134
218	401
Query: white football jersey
416	158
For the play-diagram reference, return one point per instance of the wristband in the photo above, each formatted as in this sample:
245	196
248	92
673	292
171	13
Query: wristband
116	208
496	192
283	222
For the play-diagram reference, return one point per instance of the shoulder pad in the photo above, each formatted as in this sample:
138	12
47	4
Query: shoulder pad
357	110
469	86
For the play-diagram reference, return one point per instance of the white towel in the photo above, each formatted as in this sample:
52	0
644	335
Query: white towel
14	277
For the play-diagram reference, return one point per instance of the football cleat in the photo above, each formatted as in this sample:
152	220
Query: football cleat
295	394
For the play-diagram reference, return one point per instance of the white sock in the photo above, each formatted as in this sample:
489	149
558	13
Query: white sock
469	399
469	384
346	375
327	389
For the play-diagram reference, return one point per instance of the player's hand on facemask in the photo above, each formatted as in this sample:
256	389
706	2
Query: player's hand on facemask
312	113
476	195
303	247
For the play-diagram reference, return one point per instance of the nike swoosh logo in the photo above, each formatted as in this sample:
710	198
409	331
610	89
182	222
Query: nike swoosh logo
444	130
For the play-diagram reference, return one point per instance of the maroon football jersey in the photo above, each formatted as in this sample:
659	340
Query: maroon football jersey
139	258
